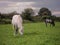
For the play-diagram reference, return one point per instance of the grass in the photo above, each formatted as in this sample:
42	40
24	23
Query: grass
34	34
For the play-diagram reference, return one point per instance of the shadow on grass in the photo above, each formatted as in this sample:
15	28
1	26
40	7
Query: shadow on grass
31	33
27	34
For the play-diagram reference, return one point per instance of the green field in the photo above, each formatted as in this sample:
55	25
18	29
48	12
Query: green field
34	34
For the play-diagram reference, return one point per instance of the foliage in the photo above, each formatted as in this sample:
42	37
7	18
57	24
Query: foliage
57	19
6	18
27	14
44	12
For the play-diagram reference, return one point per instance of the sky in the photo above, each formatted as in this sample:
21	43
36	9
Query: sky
7	6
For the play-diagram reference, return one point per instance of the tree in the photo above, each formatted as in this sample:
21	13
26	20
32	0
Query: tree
27	14
53	17
44	12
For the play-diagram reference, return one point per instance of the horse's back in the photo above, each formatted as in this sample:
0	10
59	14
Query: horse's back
16	20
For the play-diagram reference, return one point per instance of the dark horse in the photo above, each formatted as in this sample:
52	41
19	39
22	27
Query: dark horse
50	21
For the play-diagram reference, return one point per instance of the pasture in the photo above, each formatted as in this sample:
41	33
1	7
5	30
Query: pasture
34	34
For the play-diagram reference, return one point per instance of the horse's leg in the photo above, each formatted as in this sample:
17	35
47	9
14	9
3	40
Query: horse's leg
46	24
16	30
53	24
50	24
21	30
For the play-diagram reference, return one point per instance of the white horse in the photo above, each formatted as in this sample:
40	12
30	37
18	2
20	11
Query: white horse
17	24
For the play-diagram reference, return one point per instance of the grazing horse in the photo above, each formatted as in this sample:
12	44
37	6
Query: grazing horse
51	21
17	24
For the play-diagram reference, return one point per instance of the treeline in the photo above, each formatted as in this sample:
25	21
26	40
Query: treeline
6	18
28	15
